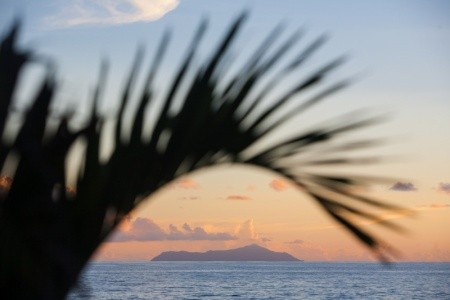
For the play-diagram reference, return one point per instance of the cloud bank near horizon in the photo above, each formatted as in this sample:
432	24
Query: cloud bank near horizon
110	12
144	229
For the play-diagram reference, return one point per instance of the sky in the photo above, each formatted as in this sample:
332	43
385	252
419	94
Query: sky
399	53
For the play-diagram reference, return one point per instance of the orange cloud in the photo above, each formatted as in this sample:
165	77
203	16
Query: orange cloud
187	183
278	185
5	184
238	197
439	205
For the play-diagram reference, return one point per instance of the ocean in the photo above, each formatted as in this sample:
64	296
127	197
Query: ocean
263	280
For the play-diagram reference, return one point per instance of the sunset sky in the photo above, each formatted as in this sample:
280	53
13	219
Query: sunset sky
399	53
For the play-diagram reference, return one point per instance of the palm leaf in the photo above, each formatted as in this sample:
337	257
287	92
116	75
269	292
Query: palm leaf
219	121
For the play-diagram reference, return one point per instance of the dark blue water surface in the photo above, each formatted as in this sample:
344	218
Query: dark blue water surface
263	280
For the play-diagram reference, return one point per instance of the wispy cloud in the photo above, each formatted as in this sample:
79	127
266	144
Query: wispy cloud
110	12
190	198
144	229
295	242
184	183
187	183
439	205
238	197
403	187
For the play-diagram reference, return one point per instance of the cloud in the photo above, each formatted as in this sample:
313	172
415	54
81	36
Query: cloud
403	187
278	185
184	183
295	242
247	234
187	183
110	12
200	234
5	184
439	205
444	187
238	197
246	231
144	229
190	198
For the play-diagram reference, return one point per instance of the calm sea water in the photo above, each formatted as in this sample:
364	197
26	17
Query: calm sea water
263	280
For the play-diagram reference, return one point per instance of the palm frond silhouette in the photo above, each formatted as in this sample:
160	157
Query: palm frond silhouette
48	234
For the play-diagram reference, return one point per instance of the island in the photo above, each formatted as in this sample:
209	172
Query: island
251	252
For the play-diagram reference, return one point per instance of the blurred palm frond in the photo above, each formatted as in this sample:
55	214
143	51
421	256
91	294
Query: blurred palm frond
47	230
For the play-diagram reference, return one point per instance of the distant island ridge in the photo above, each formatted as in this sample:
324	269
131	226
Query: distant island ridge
251	252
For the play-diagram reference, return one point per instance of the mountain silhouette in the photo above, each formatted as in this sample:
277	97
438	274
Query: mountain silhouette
251	252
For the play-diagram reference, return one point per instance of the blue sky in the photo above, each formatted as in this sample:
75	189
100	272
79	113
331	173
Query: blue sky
399	53
408	40
398	50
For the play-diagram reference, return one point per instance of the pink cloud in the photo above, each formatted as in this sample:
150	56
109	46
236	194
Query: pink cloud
238	197
110	12
186	183
144	229
246	231
278	185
